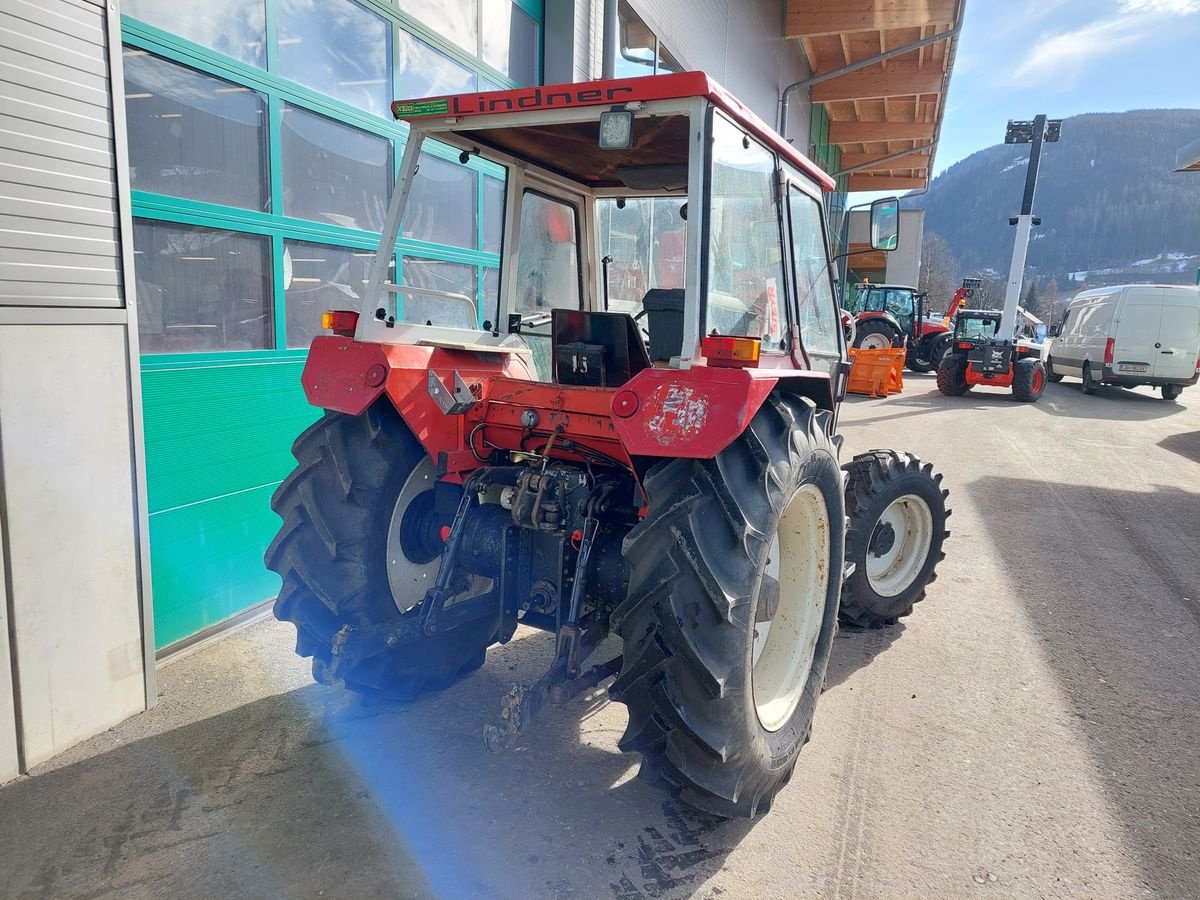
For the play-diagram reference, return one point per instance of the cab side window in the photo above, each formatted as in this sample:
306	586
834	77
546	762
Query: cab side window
548	261
815	303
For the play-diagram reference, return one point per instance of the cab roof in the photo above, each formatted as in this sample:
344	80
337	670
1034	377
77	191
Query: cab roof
610	93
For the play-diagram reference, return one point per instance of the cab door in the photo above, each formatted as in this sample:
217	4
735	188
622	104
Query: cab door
814	306
549	270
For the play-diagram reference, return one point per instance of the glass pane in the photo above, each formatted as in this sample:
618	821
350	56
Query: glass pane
548	264
338	48
334	173
491	294
195	136
818	318
455	20
422	71
745	258
667	62
510	41
635	56
200	289
436	275
648	243
442	204
232	27
318	278
493	214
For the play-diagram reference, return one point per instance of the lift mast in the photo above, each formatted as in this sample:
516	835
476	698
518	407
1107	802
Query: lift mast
1040	130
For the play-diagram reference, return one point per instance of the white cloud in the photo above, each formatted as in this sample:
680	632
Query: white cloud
1161	7
1061	57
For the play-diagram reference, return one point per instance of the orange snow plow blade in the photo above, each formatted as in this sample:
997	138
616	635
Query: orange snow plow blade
876	373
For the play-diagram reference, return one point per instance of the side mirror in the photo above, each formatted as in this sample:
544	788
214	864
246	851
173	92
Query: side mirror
1054	330
885	223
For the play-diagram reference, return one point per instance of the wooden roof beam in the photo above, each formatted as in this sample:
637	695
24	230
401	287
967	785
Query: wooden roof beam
867	132
898	80
883	183
807	18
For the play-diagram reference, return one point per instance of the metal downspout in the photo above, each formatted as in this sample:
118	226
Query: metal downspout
609	63
899	154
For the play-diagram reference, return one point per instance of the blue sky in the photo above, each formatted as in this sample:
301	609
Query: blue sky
1018	58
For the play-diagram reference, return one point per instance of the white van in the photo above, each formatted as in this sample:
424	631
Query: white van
1129	335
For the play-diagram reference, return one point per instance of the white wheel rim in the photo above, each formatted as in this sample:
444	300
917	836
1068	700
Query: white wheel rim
407	579
784	648
875	342
893	565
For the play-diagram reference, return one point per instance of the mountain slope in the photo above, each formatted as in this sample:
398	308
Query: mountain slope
1107	195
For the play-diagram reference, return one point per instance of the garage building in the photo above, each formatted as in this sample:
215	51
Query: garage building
205	179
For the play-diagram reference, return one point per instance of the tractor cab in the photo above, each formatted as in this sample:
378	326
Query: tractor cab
648	224
898	301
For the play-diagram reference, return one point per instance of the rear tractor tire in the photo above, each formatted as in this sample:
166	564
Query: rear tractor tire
354	551
875	334
952	375
897	510
1029	380
732	608
938	348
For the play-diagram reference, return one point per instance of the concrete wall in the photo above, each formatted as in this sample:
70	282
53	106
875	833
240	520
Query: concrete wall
75	655
740	44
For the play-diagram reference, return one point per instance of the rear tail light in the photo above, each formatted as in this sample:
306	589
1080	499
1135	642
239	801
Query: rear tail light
341	322
965	345
1108	351
721	350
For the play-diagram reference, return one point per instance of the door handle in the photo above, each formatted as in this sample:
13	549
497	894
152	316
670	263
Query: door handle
1169	352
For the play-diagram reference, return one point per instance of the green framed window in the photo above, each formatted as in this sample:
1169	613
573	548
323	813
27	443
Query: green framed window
262	156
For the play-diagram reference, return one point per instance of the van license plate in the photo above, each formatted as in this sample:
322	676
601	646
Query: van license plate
1133	367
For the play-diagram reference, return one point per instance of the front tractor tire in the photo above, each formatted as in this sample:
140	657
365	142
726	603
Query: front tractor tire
876	334
952	375
1029	380
731	610
897	510
353	553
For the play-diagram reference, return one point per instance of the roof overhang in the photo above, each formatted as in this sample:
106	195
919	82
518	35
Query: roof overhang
1188	159
879	111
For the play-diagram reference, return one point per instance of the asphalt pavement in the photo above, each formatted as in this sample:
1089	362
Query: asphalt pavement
1033	730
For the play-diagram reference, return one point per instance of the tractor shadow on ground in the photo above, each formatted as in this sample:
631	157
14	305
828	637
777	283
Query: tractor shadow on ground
855	648
315	790
1117	614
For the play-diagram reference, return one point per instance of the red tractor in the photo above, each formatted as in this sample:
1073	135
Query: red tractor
665	470
892	315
